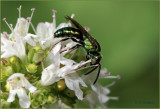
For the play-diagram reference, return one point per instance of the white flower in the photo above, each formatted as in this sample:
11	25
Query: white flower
99	96
54	73
17	85
21	27
20	35
45	32
12	48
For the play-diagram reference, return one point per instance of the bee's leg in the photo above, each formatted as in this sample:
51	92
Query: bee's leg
98	73
62	40
91	70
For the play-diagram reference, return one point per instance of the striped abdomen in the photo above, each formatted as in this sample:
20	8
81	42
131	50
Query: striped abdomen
69	32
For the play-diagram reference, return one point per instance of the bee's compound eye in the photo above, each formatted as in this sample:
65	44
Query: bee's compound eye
96	57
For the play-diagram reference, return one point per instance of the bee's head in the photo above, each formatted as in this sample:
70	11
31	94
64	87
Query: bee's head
95	57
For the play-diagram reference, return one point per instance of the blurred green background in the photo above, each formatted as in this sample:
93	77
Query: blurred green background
128	32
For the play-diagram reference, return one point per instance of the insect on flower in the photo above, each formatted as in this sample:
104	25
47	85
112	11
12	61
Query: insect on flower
83	39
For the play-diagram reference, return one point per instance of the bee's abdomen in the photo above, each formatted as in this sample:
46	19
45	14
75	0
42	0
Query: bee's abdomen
69	32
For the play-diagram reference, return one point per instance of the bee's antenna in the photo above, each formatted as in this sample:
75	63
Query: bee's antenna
68	18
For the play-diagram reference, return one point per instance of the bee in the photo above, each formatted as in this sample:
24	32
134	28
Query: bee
83	39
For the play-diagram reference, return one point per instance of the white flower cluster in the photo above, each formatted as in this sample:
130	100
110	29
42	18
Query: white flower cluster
14	44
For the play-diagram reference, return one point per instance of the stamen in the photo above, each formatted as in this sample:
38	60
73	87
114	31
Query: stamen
86	67
97	64
111	84
118	77
33	28
33	9
28	19
54	14
42	64
4	19
113	98
6	35
11	25
54	18
86	62
68	50
54	11
19	9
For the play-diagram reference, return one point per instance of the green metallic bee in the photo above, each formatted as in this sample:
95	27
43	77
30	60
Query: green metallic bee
83	39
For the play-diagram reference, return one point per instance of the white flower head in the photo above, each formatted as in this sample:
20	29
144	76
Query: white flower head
17	84
44	53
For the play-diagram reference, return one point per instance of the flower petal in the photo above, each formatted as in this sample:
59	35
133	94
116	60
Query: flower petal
24	100
30	39
49	75
44	30
21	27
12	95
56	49
53	57
72	82
66	61
29	86
15	75
102	92
11	48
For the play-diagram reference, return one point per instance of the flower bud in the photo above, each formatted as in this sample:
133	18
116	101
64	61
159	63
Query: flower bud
30	54
34	103
38	98
61	85
6	72
31	68
37	57
7	86
51	99
13	60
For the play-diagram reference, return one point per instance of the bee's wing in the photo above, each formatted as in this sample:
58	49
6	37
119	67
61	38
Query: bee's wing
76	24
85	33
